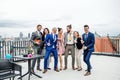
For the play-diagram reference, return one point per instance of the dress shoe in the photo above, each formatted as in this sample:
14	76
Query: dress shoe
65	68
49	68
80	69
73	68
87	74
39	69
56	70
44	71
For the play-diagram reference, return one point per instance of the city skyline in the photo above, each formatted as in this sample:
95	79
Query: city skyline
103	16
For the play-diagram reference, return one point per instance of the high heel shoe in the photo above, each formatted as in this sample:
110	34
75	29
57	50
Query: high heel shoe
80	69
60	69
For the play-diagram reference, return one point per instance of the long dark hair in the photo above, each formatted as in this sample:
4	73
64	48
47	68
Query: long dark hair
44	31
43	36
77	33
59	29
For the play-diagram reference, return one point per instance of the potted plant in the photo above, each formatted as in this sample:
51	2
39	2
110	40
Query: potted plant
29	49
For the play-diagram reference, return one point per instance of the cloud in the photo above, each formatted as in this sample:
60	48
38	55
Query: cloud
100	25
99	14
14	23
9	24
61	18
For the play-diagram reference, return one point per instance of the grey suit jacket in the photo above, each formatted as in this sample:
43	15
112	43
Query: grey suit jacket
65	38
33	37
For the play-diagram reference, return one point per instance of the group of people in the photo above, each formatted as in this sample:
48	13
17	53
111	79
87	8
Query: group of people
59	43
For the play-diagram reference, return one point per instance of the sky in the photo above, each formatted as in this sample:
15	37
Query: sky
103	16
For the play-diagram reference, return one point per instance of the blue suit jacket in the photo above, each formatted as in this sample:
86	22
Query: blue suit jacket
49	39
89	42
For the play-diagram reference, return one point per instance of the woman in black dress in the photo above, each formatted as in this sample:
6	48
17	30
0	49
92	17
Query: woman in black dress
78	50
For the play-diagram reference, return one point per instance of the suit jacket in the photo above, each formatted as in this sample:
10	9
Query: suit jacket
89	42
35	35
49	39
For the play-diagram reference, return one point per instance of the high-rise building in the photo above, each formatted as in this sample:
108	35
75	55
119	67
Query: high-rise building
21	35
29	35
0	37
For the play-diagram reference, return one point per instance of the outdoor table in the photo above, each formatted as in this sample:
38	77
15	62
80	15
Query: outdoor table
29	72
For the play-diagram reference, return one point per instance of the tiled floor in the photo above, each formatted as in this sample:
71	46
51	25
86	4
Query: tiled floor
104	68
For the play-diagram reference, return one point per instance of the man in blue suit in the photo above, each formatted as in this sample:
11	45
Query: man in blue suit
89	41
51	42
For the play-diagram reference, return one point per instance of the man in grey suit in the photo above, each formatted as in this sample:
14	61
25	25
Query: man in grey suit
69	46
37	46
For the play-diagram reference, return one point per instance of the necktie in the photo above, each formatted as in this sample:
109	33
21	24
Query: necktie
69	37
54	37
40	33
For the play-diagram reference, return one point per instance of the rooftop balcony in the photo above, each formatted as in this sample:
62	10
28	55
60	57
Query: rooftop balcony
104	68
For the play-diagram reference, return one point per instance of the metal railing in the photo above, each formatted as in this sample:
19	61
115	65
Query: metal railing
13	47
20	47
116	45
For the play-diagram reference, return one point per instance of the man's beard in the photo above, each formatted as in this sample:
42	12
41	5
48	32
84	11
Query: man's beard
68	31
